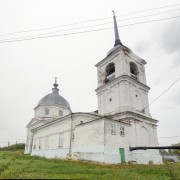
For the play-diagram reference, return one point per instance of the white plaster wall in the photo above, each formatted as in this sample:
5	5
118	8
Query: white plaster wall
88	139
39	112
141	69
51	134
124	96
93	140
52	153
89	134
122	66
115	140
111	102
123	92
90	142
28	144
80	118
146	156
136	134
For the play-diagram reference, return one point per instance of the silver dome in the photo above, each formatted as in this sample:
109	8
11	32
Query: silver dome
54	98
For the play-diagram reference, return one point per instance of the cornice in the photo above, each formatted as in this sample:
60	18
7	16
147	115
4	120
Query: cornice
111	56
135	116
66	118
122	78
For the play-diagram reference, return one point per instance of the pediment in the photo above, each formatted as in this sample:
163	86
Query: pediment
35	122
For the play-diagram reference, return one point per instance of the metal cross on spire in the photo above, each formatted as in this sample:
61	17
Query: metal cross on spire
55	79
55	83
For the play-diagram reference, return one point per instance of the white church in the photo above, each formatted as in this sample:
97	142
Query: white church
122	120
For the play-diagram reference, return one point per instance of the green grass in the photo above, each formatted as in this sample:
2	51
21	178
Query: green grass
15	165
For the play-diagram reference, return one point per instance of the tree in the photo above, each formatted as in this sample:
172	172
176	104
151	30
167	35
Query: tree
176	151
13	147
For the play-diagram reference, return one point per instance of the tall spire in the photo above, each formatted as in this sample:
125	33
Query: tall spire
55	89
116	33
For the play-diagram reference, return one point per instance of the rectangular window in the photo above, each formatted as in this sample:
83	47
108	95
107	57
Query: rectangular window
60	113
46	111
122	131
113	129
60	144
72	136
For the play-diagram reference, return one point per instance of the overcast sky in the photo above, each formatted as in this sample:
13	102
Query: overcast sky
28	68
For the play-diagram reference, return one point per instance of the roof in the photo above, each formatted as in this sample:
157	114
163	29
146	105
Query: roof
113	50
54	98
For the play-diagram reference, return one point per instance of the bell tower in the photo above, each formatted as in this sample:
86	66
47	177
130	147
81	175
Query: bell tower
122	81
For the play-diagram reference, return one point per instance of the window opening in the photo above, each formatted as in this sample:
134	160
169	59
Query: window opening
46	111
113	129
122	130
60	113
110	69
60	140
72	136
133	70
109	72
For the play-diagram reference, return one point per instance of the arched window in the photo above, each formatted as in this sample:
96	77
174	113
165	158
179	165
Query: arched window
109	72
110	69
134	70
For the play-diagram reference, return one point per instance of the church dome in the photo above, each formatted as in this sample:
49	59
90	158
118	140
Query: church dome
54	98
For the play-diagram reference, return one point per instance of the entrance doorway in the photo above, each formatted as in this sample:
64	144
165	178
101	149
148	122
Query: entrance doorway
122	155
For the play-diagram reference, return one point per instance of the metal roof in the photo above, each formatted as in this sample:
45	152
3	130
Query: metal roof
54	98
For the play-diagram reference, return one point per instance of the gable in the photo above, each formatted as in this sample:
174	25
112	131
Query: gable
34	123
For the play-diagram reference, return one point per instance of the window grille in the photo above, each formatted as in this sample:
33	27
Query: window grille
113	129
122	131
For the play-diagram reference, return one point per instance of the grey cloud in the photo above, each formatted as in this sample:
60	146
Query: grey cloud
174	98
142	47
176	60
177	99
170	38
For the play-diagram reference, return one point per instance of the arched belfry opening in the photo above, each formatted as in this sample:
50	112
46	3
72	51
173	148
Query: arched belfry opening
134	70
109	72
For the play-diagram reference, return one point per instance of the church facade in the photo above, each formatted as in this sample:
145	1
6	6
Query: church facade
122	120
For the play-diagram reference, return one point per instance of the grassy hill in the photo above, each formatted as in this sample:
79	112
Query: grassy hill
15	165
